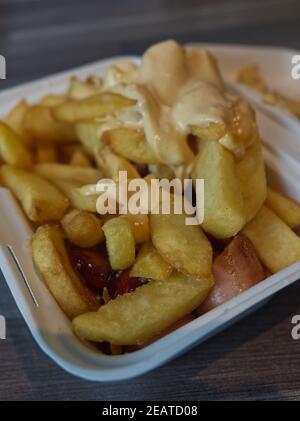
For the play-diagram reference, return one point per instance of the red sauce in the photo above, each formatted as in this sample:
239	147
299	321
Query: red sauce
122	282
93	268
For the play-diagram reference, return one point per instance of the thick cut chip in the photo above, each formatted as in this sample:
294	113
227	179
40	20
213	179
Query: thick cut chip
15	120
50	257
82	228
39	124
276	244
79	89
120	243
185	247
12	149
80	159
140	226
131	144
150	264
136	317
40	200
88	134
212	132
223	203
74	174
111	165
77	199
94	106
46	153
287	209
252	177
52	100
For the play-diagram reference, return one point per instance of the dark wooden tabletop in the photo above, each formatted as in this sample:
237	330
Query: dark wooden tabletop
256	358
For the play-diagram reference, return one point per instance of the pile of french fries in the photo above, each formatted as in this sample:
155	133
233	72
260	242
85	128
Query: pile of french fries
52	149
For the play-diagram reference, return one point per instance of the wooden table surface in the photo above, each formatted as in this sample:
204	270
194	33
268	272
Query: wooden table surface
254	359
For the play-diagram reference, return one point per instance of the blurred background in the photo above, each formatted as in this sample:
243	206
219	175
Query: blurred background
39	37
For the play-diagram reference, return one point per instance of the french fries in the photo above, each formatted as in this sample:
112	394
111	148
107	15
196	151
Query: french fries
185	247
120	243
287	209
126	278
223	203
111	164
46	153
150	265
15	120
74	194
51	259
41	201
52	100
275	243
211	132
79	159
82	228
252	178
132	145
12	149
88	108
40	125
140	226
88	135
136	317
74	174
79	89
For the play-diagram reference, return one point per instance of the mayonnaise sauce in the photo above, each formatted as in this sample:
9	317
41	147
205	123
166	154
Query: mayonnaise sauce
177	88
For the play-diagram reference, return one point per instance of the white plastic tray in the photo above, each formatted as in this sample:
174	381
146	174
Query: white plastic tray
48	325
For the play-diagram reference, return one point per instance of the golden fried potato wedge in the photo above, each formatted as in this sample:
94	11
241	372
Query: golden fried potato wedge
15	120
252	178
161	171
74	174
74	194
79	89
41	201
211	132
79	159
150	265
12	149
88	134
111	164
185	247
132	145
52	100
51	259
276	244
40	125
120	243
82	228
136	317
223	203
46	153
287	209
94	106
141	227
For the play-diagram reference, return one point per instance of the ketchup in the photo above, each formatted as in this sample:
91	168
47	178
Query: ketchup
94	270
